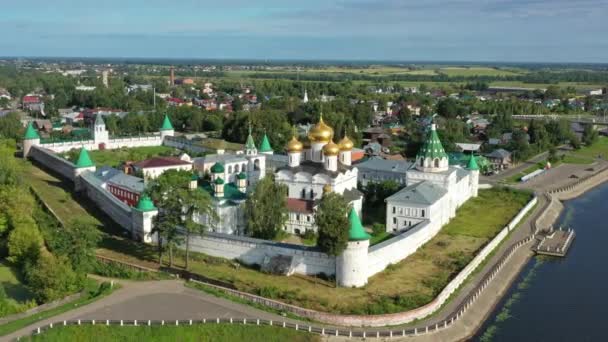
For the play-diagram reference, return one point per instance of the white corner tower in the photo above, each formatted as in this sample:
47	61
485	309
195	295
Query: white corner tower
474	176
141	217
166	130
351	265
84	163
31	138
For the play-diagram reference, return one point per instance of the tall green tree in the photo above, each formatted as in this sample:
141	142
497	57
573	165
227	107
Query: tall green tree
77	241
590	135
266	209
164	190
51	277
195	202
332	222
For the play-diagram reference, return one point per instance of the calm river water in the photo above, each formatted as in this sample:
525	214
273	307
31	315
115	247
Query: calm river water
562	299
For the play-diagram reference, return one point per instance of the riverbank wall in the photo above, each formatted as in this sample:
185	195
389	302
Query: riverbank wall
470	323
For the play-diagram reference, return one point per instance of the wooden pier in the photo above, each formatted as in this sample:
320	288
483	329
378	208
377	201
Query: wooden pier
555	243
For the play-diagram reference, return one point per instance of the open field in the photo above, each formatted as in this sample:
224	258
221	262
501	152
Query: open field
479	71
115	157
215	333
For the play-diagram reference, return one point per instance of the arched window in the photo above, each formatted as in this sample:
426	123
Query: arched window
436	162
230	169
312	194
237	168
304	193
256	164
421	162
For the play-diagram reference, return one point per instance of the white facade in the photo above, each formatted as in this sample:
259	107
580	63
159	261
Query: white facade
323	166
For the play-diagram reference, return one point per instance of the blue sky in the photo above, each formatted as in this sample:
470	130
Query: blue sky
465	30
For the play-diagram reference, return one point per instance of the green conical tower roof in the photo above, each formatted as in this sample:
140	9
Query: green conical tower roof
167	126
432	147
84	160
250	144
145	203
356	231
265	145
472	163
30	132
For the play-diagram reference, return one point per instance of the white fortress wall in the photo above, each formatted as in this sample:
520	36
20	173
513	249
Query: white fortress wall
60	147
53	162
253	251
152	140
184	144
112	206
401	246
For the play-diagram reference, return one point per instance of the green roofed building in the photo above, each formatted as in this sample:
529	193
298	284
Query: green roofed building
84	160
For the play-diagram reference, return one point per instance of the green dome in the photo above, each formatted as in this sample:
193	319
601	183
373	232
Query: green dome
432	147
217	168
145	203
30	132
265	146
242	175
84	160
167	126
472	163
218	181
356	232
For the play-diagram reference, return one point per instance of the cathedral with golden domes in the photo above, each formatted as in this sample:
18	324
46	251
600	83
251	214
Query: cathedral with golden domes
316	166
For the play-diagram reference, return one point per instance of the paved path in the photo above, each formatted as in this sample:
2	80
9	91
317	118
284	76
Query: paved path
154	300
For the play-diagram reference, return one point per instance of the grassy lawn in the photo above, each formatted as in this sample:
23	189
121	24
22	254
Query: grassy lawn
115	157
376	239
58	195
406	285
93	291
593	151
208	332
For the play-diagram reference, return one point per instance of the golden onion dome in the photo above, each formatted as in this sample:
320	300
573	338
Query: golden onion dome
294	145
321	132
331	149
326	188
346	144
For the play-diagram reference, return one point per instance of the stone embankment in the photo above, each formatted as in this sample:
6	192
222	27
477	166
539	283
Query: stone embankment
557	195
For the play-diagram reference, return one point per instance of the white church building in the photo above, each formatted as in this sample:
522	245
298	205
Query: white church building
315	167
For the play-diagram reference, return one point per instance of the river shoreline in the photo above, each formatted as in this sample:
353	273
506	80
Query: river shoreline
546	218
